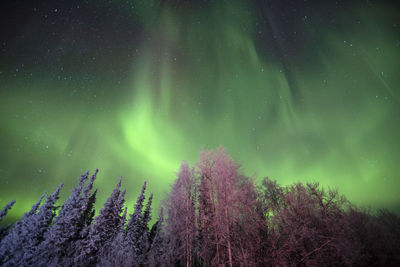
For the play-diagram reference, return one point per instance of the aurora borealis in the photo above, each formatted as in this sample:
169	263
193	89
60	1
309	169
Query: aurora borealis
294	90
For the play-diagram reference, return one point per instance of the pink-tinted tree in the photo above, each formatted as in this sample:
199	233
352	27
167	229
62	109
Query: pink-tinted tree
227	204
209	246
249	228
270	196
312	229
387	239
225	176
377	237
180	222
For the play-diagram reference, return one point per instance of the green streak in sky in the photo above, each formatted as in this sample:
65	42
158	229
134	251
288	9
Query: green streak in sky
199	81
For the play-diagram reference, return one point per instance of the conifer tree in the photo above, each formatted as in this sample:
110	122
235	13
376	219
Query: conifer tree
147	213
113	252
58	247
104	228
88	211
87	219
11	245
37	227
5	209
135	239
3	213
157	255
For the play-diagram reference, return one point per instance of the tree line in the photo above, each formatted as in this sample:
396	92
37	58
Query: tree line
213	216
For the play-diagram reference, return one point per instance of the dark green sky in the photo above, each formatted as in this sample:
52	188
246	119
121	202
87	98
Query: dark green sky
294	90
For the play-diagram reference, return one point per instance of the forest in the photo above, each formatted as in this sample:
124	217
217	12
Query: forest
213	216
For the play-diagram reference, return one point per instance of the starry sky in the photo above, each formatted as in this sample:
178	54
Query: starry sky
294	90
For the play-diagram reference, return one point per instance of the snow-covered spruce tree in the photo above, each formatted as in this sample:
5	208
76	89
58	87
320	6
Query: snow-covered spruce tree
88	215
147	213
130	245
180	222
60	242
136	240
5	209
88	211
87	220
11	245
157	255
104	229
3	213
37	227
146	232
113	253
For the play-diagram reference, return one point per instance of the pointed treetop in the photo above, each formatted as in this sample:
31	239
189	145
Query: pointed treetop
82	180
119	182
51	200
147	212
89	186
35	206
140	199
6	208
57	191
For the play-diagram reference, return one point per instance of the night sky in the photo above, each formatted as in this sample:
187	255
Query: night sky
294	90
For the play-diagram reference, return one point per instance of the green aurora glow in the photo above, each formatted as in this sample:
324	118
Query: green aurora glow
200	78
